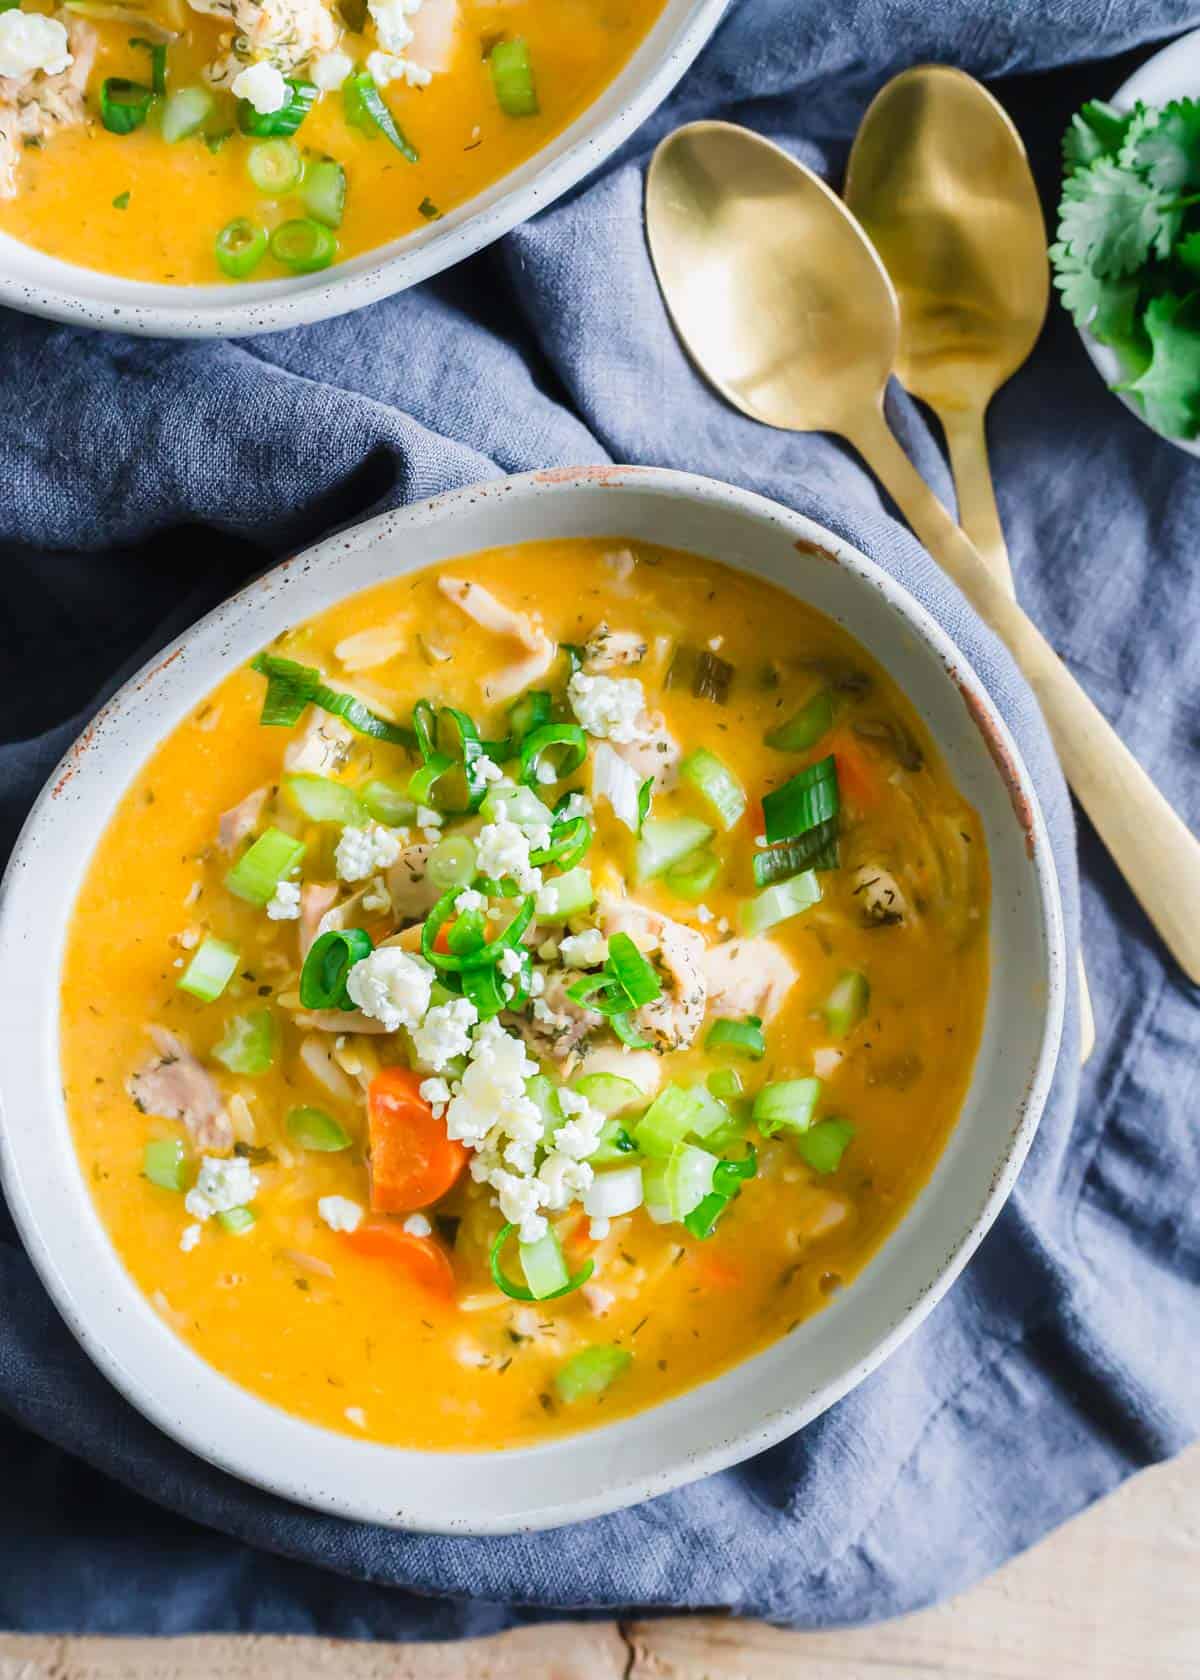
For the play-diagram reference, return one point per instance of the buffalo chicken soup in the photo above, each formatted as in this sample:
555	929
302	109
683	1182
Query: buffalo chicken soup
529	987
205	140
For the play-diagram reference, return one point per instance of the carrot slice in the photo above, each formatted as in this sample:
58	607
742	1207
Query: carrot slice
857	782
413	1162
424	1260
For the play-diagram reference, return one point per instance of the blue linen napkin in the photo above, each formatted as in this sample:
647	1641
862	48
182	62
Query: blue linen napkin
139	482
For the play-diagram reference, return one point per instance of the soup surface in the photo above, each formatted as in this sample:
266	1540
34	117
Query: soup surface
540	983
347	122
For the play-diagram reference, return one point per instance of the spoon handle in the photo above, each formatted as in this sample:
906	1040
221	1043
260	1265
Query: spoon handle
1154	850
977	511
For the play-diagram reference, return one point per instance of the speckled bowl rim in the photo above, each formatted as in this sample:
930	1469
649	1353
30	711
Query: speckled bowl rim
1170	74
86	297
747	1408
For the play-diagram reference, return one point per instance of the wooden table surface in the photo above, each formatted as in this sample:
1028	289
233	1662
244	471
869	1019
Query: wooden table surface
1115	1595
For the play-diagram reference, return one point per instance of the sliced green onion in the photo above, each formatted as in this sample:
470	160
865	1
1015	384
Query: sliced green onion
787	1106
818	849
631	969
263	124
570	840
717	783
124	105
483	957
303	245
542	1264
158	61
808	799
239	248
806	728
259	870
823	1145
668	1120
550	753
211	969
249	1043
485	989
645	800
237	1220
313	1129
588	1374
512	78
744	1037
778	903
631	1038
455	734
275	167
451	863
694	875
615	1145
424	721
185	112
725	1084
291	687
388	803
365	109
609	1092
847	1003
164	1162
323	800
729	1175
327	967
701	1222
324	191
530	712
668	842
565	896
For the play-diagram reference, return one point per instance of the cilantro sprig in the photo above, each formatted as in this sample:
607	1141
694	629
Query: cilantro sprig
1127	257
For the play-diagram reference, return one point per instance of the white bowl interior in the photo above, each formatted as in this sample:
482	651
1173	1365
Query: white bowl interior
1173	73
748	1407
44	285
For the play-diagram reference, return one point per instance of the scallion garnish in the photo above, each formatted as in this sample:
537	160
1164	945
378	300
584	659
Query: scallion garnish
551	753
530	712
239	248
803	803
818	849
484	955
327	968
745	1037
124	105
365	109
303	245
264	124
275	167
291	687
545	1269
805	728
158	61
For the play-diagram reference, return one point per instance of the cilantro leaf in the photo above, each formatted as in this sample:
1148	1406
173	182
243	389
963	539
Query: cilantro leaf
1165	146
1169	388
1113	221
1096	131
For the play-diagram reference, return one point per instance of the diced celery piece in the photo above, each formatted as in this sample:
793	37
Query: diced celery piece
313	1129
654	1191
668	841
824	1144
616	1145
725	1083
164	1162
518	805
268	861
325	801
211	969
787	1106
544	1093
388	803
249	1044
589	1373
717	783
780	902
666	1122
238	1220
544	1267
564	896
806	728
708	1114
847	1003
609	1092
689	1178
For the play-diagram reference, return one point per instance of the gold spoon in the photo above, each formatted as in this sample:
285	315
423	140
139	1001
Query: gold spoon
939	179
785	306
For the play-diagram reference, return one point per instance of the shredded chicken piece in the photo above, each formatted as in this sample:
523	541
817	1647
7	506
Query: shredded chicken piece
557	1025
674	1019
285	33
34	109
322	747
237	823
435	34
879	897
658	756
412	893
606	649
490	614
175	1086
317	898
747	977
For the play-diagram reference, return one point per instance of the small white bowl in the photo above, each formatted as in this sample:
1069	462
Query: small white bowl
42	285
722	1421
1173	73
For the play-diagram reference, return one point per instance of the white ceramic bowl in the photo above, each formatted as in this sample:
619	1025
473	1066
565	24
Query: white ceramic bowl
1173	73
44	285
749	1407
